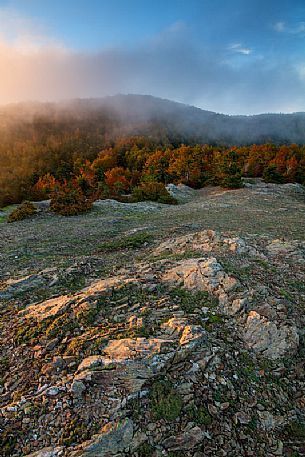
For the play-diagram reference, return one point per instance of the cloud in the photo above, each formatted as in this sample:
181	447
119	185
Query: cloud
237	47
296	29
33	66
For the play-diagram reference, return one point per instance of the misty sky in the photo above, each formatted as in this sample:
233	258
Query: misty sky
230	56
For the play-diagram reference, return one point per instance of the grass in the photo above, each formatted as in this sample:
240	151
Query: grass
129	242
199	415
189	300
165	402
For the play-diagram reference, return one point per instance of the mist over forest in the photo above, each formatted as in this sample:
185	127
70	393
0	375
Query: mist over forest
63	140
163	120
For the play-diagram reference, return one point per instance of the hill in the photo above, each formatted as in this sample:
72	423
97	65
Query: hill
152	330
163	120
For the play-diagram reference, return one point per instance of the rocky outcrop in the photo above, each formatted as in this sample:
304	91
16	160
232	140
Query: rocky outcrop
114	438
271	339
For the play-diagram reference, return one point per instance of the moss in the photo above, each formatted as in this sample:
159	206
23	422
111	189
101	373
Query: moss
166	403
29	331
145	450
129	242
87	316
23	211
199	415
76	431
189	300
61	326
8	441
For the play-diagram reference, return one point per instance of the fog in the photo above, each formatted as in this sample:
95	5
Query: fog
233	80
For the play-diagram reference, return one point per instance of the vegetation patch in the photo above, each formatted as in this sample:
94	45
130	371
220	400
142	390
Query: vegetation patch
23	211
69	201
134	241
199	415
77	431
153	191
166	403
189	300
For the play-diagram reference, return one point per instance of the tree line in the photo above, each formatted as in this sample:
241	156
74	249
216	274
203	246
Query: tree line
131	165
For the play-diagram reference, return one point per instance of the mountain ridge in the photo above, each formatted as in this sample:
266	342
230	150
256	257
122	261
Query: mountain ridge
141	114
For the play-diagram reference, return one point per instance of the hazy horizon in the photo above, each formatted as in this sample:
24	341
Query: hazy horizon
67	101
231	58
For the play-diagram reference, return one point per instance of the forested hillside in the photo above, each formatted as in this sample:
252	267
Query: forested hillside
112	145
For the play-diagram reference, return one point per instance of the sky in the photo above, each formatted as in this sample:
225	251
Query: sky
228	56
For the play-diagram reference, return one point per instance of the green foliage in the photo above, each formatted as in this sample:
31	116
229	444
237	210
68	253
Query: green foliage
87	316
233	181
189	300
8	441
29	331
134	241
25	210
199	415
296	430
166	403
61	326
272	175
76	431
153	191
145	450
69	201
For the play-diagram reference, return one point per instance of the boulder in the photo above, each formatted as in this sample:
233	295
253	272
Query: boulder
270	338
114	438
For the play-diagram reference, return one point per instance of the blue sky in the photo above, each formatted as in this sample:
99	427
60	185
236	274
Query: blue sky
237	56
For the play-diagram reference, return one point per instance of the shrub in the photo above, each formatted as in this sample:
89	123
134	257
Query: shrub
26	209
232	181
69	202
153	191
272	175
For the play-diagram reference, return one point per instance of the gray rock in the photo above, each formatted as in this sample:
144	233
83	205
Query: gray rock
269	338
48	452
115	437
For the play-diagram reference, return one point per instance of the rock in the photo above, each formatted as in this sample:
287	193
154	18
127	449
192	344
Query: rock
184	441
91	362
49	308
138	439
181	192
114	438
77	388
128	348
205	241
242	418
48	452
192	334
270	339
201	274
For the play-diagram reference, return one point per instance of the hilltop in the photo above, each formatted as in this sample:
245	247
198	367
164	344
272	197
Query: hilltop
161	119
142	329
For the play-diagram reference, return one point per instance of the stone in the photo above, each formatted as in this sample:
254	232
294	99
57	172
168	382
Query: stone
269	338
114	438
77	388
184	441
201	274
48	452
91	362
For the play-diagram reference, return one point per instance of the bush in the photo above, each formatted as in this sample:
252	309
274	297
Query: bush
232	181
272	175
26	209
153	191
69	202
